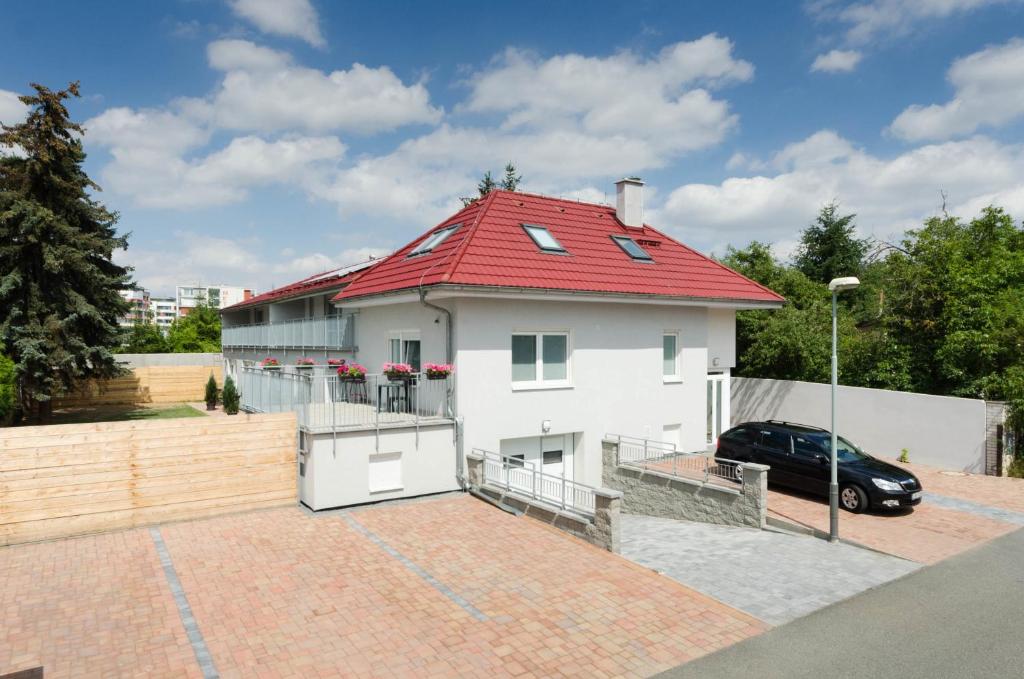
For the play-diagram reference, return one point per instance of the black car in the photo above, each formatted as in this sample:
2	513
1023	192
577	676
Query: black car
799	458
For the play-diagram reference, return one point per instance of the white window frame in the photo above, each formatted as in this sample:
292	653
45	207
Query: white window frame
540	382
403	336
678	376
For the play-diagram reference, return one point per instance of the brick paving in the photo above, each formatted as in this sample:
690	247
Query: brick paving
95	606
926	535
281	593
994	491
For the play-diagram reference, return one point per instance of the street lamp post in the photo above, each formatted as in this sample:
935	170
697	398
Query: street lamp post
836	286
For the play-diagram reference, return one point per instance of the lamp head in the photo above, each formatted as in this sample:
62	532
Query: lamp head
840	284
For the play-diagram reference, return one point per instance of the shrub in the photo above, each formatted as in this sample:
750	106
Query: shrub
8	391
230	397
904	456
211	392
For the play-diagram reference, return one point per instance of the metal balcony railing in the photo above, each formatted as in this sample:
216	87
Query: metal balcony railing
663	457
522	477
328	332
324	402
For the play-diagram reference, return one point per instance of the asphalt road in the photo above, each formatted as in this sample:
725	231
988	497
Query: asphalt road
961	618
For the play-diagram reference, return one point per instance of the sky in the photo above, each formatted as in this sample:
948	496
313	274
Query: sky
255	142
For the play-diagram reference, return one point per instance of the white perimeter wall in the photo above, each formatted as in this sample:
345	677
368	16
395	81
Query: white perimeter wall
936	430
616	368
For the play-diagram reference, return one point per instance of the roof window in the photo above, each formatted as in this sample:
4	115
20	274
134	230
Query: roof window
543	238
632	249
434	239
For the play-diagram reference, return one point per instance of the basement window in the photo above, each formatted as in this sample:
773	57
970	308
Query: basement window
543	238
632	249
434	239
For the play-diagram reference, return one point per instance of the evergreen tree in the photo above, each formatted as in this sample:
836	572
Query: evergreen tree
230	397
59	286
511	180
828	248
486	184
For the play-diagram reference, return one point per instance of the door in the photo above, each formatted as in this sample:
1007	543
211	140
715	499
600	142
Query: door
810	465
773	450
717	405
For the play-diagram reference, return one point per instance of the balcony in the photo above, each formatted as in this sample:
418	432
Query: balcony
328	332
325	403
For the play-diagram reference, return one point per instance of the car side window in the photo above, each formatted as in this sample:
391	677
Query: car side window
776	441
806	448
741	435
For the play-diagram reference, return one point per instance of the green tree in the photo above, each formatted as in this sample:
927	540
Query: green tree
59	286
512	180
8	391
144	338
230	396
828	248
197	332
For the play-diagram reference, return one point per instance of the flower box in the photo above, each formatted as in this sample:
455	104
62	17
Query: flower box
352	372
304	364
397	372
438	371
270	364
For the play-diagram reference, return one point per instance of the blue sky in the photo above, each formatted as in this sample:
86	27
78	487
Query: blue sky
253	142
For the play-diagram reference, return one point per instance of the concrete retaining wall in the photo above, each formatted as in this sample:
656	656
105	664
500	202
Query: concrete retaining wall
150	360
601	531
654	493
941	431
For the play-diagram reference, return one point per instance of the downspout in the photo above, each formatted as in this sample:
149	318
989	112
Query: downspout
459	475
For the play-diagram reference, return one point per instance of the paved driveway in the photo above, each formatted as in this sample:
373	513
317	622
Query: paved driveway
774	576
438	588
958	512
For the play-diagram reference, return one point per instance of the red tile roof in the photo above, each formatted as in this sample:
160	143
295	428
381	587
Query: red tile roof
327	280
490	248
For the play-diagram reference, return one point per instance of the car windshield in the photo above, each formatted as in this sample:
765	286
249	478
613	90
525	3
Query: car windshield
845	451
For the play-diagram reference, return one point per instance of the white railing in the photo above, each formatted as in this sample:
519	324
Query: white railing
523	477
327	332
325	402
663	457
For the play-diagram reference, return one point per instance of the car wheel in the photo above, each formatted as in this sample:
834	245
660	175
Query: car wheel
853	499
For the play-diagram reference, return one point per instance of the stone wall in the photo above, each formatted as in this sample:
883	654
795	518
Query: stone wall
663	495
602	530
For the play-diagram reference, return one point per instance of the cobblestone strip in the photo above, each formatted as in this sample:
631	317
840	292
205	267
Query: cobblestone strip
997	513
408	563
195	637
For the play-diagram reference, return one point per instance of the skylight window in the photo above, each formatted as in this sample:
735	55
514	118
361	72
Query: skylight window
434	239
543	238
632	249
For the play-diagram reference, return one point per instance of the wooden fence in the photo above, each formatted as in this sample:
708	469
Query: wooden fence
70	479
152	384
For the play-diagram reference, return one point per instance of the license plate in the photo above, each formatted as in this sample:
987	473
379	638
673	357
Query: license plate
916	496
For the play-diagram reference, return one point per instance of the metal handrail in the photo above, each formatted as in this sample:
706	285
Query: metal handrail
522	477
663	457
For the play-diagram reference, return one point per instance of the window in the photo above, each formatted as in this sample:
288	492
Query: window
632	249
776	441
540	359
670	356
552	457
740	435
404	347
433	240
806	448
543	238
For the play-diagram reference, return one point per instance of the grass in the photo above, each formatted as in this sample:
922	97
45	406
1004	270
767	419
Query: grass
123	413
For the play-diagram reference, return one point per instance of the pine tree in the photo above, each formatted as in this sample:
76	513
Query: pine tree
486	184
230	397
59	286
512	180
828	248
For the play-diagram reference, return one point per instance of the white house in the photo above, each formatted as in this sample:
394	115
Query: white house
564	320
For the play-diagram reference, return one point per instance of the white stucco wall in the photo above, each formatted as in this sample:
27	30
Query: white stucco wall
375	324
937	430
721	339
337	469
616	367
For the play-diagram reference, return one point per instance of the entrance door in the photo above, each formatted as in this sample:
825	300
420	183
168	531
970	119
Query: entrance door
717	405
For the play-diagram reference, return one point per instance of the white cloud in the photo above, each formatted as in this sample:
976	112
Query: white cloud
868	21
663	101
989	88
837	61
11	109
888	195
290	18
262	90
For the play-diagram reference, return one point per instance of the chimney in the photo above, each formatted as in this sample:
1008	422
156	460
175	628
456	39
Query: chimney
629	202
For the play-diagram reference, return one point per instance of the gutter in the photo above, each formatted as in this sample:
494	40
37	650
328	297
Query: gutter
457	429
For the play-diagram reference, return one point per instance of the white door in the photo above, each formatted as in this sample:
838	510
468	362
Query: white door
717	405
